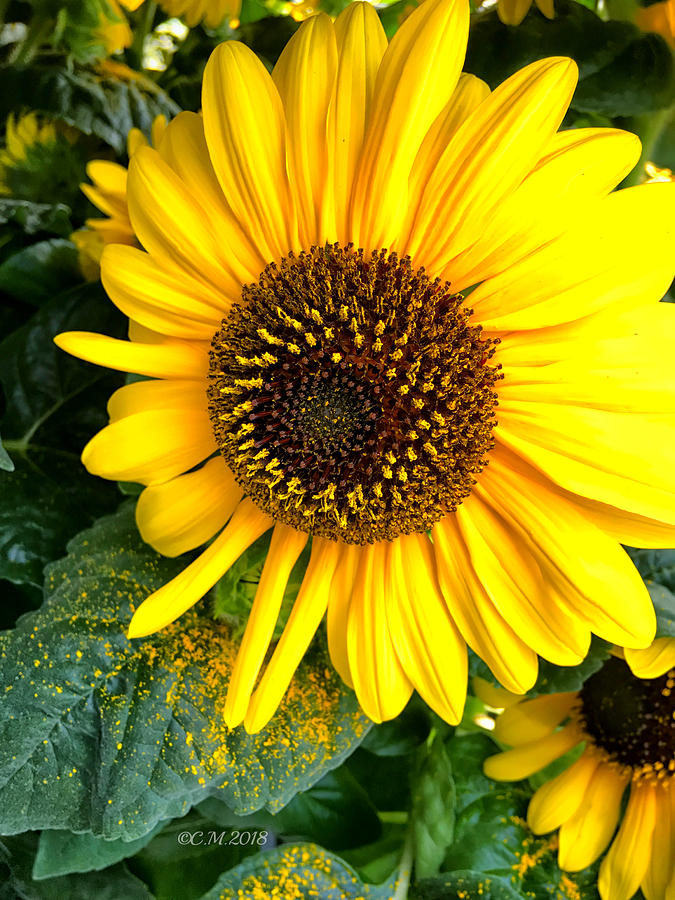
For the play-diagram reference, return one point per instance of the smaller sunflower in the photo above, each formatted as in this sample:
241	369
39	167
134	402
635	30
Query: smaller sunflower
22	136
625	714
109	194
658	18
512	12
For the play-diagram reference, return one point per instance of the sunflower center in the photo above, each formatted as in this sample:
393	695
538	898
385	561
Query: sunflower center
350	396
632	719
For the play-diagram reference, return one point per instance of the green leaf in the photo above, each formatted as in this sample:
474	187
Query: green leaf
554	679
380	860
401	735
40	271
664	607
386	779
187	856
16	858
465	884
655	565
296	870
6	463
433	807
35	217
491	833
622	71
113	736
103	106
54	404
62	852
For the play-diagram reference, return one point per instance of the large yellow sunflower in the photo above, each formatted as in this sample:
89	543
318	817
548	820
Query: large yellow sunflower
305	245
628	726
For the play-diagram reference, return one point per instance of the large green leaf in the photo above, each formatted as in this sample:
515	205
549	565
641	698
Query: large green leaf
296	870
40	271
54	404
62	852
622	71
554	679
102	734
433	807
491	833
97	104
466	885
16	883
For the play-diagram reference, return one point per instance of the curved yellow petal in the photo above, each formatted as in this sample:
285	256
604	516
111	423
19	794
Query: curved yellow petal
286	546
305	78
188	510
523	761
653	661
415	80
584	836
169	602
533	719
246	135
488	157
559	799
512	662
174	359
150	447
491	695
184	148
339	601
361	43
381	684
661	867
427	642
512	12
143	396
306	615
626	863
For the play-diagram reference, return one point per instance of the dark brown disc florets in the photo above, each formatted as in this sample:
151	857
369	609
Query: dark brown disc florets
350	396
632	719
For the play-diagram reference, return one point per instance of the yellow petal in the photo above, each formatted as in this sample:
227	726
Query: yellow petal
598	263
361	43
626	863
534	719
614	457
512	662
585	572
512	12
493	696
661	868
172	226
653	661
416	79
306	615
381	685
245	132
142	396
178	595
305	77
188	510
578	167
585	835
286	546
338	609
427	642
523	761
488	157
175	359
559	799
184	148
150	447
512	580
160	296
546	7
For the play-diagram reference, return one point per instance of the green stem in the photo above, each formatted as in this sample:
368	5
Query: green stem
404	869
649	128
141	31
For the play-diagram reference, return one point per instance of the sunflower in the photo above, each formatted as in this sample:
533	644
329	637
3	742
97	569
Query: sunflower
23	136
512	12
109	194
627	721
298	308
658	18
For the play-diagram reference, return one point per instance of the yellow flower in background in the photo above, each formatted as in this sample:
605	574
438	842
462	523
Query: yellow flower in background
109	194
658	18
21	135
302	9
512	12
113	31
210	12
465	472
628	726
